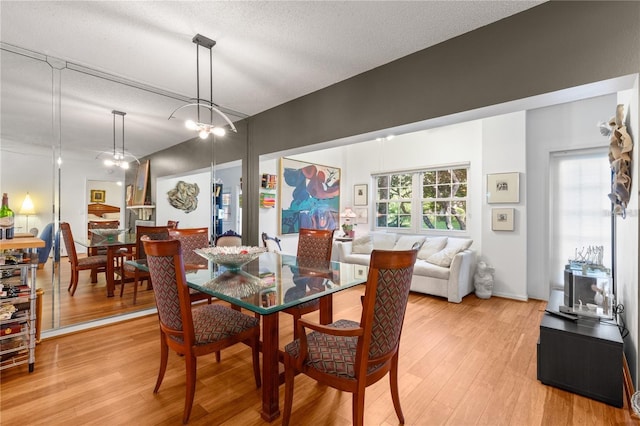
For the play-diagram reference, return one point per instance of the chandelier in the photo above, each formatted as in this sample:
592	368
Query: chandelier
205	129
117	158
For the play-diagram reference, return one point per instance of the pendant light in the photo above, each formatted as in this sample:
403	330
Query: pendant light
117	158
205	129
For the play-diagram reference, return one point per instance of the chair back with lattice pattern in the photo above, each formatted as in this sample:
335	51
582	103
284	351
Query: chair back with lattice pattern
191	239
385	301
67	237
153	232
315	243
164	258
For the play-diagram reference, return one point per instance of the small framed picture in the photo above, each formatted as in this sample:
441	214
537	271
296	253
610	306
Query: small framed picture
502	219
360	271
360	195
503	188
362	215
98	195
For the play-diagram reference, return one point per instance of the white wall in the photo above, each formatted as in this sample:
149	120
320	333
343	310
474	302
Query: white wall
627	247
200	217
555	128
504	151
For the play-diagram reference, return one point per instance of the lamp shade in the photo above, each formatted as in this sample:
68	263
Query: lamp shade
27	206
348	213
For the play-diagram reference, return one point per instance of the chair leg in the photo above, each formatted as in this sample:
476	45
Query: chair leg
164	356
358	408
217	356
94	275
289	376
190	364
395	394
74	281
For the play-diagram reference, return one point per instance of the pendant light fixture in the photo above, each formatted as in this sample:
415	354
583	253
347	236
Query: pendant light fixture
118	158
205	129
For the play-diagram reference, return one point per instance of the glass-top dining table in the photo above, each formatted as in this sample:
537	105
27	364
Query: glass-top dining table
113	242
266	286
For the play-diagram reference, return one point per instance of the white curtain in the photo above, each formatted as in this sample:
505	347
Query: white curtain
580	213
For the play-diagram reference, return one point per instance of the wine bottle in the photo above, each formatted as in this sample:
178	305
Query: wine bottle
6	219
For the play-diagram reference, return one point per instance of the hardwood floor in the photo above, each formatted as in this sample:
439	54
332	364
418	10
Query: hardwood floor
472	363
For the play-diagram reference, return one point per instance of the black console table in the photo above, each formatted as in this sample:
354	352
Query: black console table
582	356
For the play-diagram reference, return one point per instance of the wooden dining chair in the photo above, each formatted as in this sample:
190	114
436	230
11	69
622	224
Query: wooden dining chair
229	239
192	239
96	263
130	274
313	245
348	355
197	331
108	224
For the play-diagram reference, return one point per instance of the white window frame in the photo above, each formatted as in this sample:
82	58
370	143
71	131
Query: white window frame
417	200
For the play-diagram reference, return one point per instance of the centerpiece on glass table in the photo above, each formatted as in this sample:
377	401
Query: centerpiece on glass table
109	234
232	258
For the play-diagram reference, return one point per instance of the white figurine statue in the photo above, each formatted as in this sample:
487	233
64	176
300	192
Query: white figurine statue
483	280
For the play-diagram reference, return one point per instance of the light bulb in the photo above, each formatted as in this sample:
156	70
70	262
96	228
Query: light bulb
218	131
124	165
191	125
108	162
203	134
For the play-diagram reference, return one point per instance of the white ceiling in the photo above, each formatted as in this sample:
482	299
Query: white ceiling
267	53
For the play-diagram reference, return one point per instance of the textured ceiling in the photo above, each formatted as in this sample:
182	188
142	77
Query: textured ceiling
267	53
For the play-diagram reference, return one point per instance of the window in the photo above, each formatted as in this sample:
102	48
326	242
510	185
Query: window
422	199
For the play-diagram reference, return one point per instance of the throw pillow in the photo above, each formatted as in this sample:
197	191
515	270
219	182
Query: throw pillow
362	244
384	241
445	256
431	246
405	242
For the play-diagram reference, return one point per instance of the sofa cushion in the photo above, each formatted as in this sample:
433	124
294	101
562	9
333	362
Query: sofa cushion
362	244
445	256
405	242
431	246
426	269
383	240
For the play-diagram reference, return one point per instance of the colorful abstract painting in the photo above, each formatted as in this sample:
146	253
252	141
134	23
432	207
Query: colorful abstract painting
309	196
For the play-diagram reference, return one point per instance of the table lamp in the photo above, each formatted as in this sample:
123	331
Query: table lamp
27	209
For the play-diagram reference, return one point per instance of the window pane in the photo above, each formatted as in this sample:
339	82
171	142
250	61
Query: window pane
383	181
428	221
405	221
444	191
428	207
383	194
429	178
444	176
461	191
429	192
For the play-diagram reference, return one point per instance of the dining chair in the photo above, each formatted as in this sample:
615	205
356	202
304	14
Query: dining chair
229	239
271	243
129	273
348	355
197	331
108	224
313	245
96	263
191	239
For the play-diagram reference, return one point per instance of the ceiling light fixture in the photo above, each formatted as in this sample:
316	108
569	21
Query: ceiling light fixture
118	158
205	129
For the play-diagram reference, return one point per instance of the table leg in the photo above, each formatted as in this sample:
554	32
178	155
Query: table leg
111	285
326	309
270	370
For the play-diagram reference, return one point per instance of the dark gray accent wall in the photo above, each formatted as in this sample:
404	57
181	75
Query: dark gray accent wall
550	47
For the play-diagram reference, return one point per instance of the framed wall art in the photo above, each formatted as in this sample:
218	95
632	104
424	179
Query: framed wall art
362	215
502	219
98	195
309	196
360	195
140	189
503	188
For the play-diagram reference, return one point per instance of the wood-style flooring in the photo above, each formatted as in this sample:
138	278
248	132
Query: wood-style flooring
472	363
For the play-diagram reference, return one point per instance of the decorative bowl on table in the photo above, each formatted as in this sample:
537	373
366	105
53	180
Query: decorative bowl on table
232	258
109	233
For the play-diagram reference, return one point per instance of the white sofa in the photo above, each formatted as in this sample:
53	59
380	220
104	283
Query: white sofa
445	265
